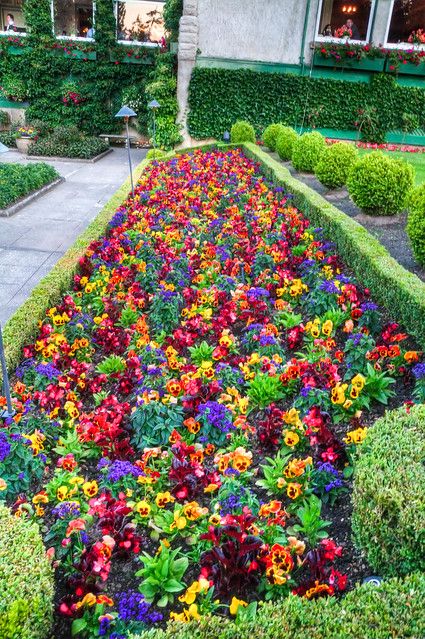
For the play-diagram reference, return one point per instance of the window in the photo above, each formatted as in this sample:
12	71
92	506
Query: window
407	22
73	18
139	21
345	20
12	17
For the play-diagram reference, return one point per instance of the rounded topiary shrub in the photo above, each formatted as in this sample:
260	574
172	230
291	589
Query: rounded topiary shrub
389	493
155	154
416	223
380	185
242	131
271	133
307	151
285	142
26	580
335	164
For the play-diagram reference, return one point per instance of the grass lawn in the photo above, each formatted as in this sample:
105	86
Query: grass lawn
417	160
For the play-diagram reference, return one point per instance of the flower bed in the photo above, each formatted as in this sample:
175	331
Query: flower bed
17	180
188	414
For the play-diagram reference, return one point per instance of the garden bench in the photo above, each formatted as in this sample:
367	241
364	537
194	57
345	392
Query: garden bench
108	137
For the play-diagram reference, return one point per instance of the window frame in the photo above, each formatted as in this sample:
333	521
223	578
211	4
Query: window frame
323	39
403	46
133	43
71	38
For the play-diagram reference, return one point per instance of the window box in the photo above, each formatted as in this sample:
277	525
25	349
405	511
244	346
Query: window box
406	68
364	64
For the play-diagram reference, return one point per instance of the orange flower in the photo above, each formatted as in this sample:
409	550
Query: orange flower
174	387
411	356
192	425
294	490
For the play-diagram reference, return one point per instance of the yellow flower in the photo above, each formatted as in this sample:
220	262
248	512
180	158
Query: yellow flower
291	438
179	521
143	508
190	594
356	436
3	484
234	605
162	499
327	327
90	488
62	493
358	382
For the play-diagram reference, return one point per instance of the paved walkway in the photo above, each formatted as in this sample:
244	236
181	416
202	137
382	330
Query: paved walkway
33	240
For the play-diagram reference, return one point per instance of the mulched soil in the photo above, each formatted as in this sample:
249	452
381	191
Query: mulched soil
389	231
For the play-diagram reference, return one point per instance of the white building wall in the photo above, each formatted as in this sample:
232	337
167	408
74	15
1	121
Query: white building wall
266	31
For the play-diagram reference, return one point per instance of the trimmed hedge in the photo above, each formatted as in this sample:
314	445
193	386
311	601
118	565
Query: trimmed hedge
380	185
307	151
22	327
17	180
395	610
389	493
285	143
242	131
416	223
218	97
390	284
26	580
271	134
85	149
335	164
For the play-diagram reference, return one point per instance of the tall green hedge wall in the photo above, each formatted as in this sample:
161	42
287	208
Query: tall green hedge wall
219	97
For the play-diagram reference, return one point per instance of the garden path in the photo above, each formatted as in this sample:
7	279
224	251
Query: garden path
33	240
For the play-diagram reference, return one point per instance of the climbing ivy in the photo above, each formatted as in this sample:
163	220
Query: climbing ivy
104	74
219	97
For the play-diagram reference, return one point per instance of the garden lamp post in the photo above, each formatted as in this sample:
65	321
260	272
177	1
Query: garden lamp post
154	105
226	137
127	113
9	412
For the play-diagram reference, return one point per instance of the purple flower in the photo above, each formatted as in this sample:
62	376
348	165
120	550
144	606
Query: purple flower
419	370
5	447
119	469
329	287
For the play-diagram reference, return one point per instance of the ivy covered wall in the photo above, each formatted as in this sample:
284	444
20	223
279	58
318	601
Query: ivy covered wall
219	97
79	83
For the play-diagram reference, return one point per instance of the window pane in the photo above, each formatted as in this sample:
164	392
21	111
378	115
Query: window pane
15	22
408	22
341	19
140	21
74	18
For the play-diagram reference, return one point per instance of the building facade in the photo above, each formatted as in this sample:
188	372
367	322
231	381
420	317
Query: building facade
284	36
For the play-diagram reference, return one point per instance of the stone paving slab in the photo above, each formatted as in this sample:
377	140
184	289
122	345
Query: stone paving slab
32	241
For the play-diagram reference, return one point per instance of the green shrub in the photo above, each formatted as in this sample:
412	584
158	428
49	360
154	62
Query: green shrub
335	164
17	180
43	128
416	223
242	131
26	580
4	118
389	493
8	139
395	610
379	185
271	133
307	151
285	142
57	146
155	154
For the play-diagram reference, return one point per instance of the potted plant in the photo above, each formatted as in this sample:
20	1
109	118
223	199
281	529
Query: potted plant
25	135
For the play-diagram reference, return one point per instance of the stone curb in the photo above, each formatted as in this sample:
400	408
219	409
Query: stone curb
14	208
45	158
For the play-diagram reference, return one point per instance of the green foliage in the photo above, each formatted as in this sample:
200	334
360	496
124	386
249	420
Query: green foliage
285	142
242	131
162	87
26	580
389	493
265	389
38	17
13	88
111	364
173	11
272	471
312	526
162	575
416	223
307	151
201	353
17	180
155	154
335	164
59	144
219	97
153	423
8	138
271	134
380	185
394	610
4	118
